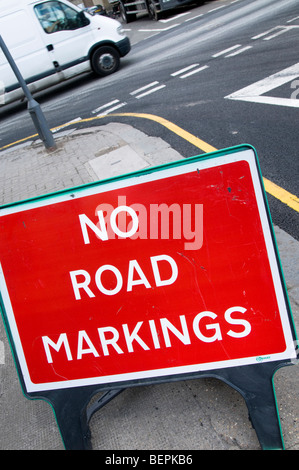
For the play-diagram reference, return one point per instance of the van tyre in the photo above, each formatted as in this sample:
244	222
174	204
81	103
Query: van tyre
105	61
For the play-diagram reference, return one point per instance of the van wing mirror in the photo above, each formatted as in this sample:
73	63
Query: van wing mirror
82	19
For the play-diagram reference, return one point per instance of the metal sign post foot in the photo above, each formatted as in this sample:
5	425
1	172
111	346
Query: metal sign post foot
41	125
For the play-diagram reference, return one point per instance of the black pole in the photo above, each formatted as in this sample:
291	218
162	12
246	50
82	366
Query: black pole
33	107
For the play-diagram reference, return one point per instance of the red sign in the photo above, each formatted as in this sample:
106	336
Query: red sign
161	273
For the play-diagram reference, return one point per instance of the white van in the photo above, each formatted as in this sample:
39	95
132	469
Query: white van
53	40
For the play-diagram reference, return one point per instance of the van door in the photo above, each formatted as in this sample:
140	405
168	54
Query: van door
23	40
67	34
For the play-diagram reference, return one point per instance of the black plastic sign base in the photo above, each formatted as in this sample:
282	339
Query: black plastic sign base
254	383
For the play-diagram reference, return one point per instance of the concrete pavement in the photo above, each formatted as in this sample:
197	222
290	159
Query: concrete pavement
186	415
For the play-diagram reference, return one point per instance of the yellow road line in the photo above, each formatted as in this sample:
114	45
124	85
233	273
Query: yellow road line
284	196
18	142
175	129
279	193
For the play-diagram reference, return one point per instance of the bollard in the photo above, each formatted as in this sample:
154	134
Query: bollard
40	124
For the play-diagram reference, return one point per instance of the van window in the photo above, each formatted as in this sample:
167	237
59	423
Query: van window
56	16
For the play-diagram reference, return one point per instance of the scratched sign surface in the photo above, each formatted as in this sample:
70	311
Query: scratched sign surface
154	274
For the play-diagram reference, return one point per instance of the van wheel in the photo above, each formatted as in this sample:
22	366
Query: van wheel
105	61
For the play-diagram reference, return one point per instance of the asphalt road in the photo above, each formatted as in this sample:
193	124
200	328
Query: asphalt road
199	68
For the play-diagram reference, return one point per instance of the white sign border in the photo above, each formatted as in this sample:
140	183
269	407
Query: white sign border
247	155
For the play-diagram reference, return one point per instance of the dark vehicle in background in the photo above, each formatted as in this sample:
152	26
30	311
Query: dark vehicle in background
155	8
96	10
